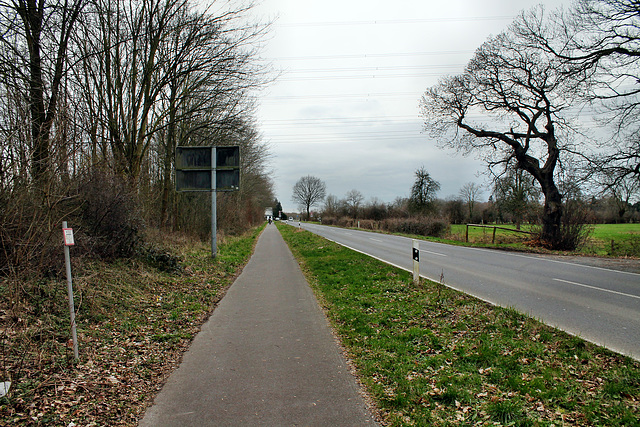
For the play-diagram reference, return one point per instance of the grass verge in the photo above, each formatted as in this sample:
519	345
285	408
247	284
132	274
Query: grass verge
429	355
134	322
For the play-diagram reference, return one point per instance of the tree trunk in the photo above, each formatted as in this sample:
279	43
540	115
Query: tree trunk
552	214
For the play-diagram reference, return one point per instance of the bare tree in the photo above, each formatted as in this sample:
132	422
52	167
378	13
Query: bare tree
508	105
423	192
515	195
598	42
331	205
469	193
309	191
37	36
354	199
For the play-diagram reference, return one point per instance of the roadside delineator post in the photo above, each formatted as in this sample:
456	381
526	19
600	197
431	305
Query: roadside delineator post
416	261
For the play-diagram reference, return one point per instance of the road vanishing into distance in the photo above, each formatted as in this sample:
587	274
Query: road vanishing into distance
598	304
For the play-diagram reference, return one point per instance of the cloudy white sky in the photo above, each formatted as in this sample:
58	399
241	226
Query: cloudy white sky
345	107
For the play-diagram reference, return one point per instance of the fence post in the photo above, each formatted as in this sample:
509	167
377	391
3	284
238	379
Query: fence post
466	237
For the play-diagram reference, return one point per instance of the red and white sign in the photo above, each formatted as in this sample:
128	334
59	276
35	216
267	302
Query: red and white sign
68	236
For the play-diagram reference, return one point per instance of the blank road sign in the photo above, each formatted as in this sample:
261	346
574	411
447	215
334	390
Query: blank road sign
193	180
193	158
227	180
228	157
194	168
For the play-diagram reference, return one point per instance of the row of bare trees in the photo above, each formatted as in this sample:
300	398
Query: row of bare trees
94	97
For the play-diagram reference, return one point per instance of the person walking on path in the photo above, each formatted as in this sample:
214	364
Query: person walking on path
265	357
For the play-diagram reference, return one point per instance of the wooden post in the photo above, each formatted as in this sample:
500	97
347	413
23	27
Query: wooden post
493	240
466	237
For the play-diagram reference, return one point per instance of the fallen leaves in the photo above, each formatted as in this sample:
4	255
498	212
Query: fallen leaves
121	367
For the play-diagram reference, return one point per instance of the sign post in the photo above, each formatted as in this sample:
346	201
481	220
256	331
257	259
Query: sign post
416	261
68	241
211	169
214	208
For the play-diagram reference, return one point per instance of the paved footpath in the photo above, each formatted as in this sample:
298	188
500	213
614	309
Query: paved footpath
265	357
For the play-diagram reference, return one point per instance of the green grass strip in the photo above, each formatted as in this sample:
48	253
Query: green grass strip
429	355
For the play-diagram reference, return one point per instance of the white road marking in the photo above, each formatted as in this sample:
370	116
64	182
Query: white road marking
433	253
597	289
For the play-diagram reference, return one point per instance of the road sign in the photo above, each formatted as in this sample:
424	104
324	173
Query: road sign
193	158
195	170
228	157
211	169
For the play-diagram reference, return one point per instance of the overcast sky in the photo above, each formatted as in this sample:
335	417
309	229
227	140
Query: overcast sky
345	107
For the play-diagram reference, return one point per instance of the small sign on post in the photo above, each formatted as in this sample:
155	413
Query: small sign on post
68	236
416	261
68	241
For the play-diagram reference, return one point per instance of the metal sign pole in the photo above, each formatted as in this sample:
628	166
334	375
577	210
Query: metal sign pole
214	214
72	311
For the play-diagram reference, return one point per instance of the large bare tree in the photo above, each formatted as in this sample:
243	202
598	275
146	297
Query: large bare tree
309	191
508	105
598	42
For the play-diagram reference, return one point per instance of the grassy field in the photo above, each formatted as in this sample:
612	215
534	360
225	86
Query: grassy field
625	238
615	239
135	319
429	355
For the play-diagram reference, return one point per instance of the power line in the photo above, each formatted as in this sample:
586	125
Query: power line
342	95
371	76
372	55
372	68
340	121
338	99
397	21
339	138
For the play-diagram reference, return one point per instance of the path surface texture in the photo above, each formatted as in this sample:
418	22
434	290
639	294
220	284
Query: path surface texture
265	357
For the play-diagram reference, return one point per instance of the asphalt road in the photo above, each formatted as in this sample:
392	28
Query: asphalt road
598	304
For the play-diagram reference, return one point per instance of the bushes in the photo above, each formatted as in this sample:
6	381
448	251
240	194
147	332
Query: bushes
574	229
422	226
109	220
26	232
99	207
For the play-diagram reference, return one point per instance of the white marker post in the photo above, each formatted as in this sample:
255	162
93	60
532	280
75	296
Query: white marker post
416	262
68	241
